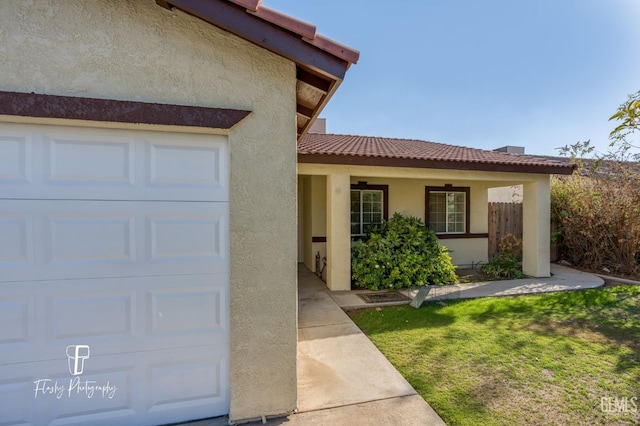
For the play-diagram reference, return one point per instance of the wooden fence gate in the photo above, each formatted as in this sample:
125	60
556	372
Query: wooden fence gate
504	218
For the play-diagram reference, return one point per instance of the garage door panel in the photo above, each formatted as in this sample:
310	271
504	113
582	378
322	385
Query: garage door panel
113	315
17	320
47	162
186	237
202	377
186	310
89	161
15	405
16	234
73	239
98	239
99	393
15	158
177	164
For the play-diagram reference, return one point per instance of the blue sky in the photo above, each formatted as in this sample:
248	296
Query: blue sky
537	73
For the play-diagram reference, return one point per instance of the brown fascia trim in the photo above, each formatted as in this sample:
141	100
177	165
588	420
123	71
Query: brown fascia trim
235	19
431	164
461	236
107	110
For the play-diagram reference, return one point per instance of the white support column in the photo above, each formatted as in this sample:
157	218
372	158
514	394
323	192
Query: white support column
536	219
338	232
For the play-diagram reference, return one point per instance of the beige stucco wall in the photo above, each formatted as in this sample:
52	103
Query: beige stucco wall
313	217
506	194
135	50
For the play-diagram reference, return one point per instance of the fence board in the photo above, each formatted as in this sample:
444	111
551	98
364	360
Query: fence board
504	218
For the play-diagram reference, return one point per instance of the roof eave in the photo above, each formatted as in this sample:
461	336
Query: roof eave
356	160
325	59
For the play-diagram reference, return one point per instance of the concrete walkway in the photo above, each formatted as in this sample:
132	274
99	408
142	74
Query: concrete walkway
342	377
562	279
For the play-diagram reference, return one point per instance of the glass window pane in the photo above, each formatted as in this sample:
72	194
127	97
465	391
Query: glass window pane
447	211
365	204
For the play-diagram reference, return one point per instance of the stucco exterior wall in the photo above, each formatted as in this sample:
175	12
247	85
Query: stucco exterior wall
506	194
135	50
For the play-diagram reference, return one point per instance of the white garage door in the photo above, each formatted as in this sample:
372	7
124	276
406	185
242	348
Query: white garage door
114	276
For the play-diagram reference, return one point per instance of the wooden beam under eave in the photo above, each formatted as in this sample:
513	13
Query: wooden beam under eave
163	4
313	80
304	111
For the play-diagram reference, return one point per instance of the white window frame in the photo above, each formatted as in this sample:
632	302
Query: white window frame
362	225
464	211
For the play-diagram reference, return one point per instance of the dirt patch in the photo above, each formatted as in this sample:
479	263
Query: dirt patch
611	282
472	275
613	274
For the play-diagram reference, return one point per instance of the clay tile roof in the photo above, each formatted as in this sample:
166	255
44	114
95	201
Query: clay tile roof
367	150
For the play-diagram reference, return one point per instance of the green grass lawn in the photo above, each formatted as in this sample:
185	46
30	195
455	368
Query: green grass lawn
546	359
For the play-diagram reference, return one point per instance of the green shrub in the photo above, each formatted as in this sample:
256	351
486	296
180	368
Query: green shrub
504	265
402	252
508	262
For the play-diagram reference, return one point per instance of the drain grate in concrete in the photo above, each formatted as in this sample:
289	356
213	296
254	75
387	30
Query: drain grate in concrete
383	297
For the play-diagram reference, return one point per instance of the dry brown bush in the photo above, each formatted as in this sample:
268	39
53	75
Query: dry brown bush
598	210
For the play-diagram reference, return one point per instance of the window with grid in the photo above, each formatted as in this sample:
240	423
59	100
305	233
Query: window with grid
447	212
366	209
